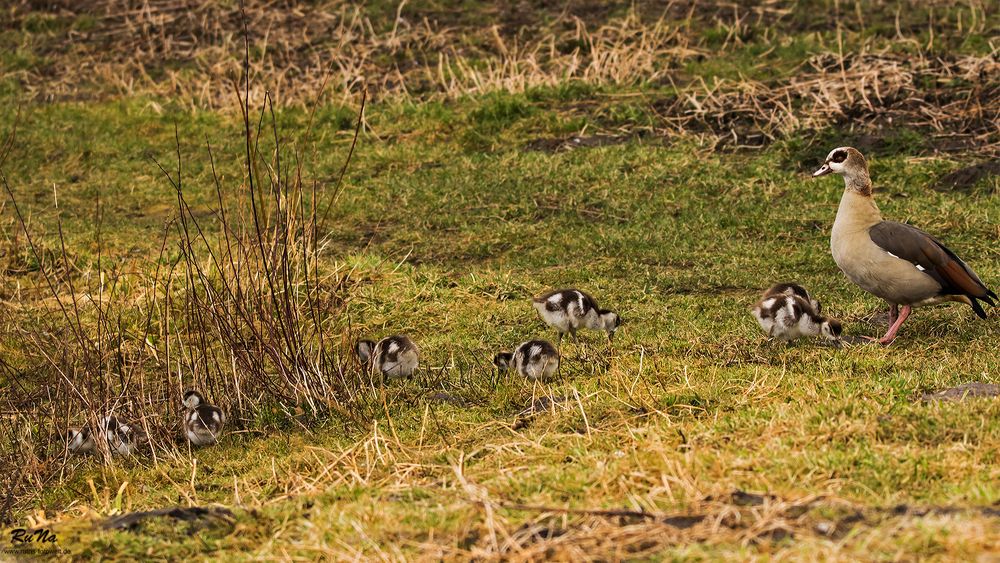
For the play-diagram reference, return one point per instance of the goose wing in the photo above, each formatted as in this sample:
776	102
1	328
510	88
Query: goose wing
933	258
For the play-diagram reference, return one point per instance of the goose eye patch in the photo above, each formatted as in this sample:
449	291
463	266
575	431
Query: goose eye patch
839	156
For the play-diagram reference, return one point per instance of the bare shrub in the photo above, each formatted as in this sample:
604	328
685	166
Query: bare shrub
248	315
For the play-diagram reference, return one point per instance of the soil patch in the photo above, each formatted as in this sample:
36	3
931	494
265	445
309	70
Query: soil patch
974	390
964	179
562	144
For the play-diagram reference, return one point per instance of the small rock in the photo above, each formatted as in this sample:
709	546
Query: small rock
542	404
683	522
443	397
964	179
743	498
974	390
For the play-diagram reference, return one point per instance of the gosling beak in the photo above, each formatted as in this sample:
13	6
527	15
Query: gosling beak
823	170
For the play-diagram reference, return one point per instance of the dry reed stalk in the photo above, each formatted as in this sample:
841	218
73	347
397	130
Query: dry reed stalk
247	318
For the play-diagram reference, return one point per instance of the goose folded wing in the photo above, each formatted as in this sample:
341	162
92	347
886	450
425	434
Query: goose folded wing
929	256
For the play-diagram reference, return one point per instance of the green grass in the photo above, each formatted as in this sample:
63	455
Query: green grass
450	220
678	240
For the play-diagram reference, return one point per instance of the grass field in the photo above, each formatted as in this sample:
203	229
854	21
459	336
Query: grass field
661	163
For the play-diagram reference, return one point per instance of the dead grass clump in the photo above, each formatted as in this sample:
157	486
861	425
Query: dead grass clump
958	101
183	50
733	522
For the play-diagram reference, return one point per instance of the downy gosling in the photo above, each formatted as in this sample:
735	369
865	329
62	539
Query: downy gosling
123	438
787	317
534	359
203	422
393	356
80	441
791	288
568	310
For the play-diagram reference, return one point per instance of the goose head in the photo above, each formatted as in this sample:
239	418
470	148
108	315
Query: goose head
846	161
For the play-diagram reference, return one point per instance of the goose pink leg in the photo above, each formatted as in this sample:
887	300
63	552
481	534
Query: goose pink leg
893	314
898	322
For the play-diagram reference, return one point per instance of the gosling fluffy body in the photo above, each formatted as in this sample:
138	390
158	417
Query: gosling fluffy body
791	288
122	437
394	356
80	441
788	317
534	359
568	310
203	422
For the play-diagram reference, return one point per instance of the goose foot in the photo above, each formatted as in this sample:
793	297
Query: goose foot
893	314
897	321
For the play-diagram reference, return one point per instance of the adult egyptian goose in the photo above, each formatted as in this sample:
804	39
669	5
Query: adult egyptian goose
393	356
787	317
901	264
203	422
534	359
568	310
790	288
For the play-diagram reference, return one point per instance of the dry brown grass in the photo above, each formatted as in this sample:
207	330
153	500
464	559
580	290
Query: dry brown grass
183	51
863	91
245	316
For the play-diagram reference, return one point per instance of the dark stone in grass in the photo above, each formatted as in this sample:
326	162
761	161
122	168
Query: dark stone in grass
539	532
921	511
470	539
551	145
683	522
974	390
543	404
880	318
900	510
443	397
797	511
538	406
743	498
195	514
854	518
840	528
776	535
964	179
850	340
645	545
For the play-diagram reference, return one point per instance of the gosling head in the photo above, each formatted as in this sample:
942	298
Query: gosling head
831	329
502	360
363	349
78	440
610	321
193	399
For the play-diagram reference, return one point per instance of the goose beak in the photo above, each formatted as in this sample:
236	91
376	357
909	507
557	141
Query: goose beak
823	171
